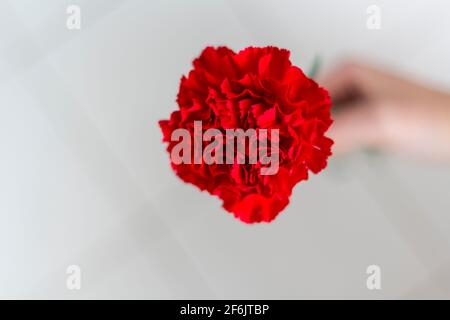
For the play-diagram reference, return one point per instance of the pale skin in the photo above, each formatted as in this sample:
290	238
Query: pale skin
376	109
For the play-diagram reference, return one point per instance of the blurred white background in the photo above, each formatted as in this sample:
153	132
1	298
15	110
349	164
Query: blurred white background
85	180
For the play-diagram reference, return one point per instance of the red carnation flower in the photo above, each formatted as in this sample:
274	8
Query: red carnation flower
257	88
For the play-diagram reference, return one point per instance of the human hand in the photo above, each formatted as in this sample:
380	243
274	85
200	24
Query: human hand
379	110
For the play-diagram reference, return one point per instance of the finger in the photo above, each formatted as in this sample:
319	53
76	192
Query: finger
343	82
354	81
355	127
